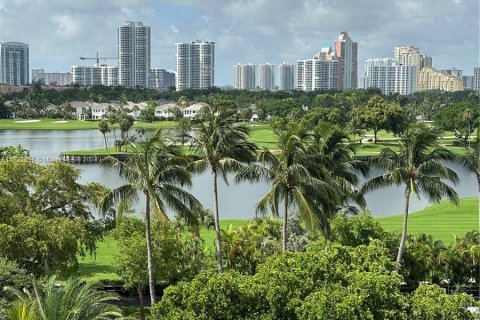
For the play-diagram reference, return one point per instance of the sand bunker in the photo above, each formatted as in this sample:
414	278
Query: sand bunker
62	121
26	121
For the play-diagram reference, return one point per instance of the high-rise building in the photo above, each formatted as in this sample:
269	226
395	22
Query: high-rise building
316	74
407	56
51	78
425	61
431	79
476	79
346	52
287	76
390	77
134	55
244	76
467	82
162	79
38	74
454	72
195	65
267	76
14	63
93	75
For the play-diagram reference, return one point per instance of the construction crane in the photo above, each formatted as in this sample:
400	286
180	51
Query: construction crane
97	58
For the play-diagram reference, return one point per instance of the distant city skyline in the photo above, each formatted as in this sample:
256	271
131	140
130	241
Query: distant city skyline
255	31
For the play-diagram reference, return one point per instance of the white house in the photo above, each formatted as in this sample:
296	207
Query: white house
163	111
99	110
191	112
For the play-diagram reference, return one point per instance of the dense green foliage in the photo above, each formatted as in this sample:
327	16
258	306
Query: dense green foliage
327	281
46	216
72	301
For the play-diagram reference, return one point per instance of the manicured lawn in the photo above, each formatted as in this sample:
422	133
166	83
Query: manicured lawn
263	136
443	221
57	124
101	151
100	267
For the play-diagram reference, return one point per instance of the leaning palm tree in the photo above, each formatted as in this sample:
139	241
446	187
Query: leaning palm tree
157	170
221	145
74	301
418	166
289	170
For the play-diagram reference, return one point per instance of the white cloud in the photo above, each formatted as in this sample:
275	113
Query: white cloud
65	25
255	31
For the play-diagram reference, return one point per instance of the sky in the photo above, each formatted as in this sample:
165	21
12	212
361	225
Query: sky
59	32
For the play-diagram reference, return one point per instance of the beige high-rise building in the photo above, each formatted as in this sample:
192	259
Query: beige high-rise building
431	79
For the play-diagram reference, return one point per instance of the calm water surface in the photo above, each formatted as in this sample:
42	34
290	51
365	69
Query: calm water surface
236	200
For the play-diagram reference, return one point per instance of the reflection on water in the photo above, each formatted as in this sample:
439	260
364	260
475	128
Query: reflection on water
236	200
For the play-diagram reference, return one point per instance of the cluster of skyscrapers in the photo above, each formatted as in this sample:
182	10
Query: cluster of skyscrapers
331	68
195	64
407	72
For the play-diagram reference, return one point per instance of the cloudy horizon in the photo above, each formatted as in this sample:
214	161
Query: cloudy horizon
252	31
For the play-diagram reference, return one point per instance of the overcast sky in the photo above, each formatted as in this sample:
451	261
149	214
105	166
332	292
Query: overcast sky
255	31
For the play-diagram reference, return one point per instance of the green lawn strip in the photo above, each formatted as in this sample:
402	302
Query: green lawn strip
443	221
100	267
58	124
92	152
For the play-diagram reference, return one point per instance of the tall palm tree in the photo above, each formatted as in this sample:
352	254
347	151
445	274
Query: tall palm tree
104	128
471	159
74	301
288	169
334	162
221	145
157	170
417	166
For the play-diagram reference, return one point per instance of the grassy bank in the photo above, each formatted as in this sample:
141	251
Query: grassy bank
56	124
444	221
100	267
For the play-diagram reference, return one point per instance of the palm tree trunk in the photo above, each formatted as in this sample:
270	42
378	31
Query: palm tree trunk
478	185
140	297
217	223
148	232
105	138
401	248
284	227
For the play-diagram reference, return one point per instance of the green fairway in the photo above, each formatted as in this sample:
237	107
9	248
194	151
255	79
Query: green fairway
100	267
443	221
97	152
263	136
56	124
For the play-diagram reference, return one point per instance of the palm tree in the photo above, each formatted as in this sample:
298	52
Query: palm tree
157	170
184	126
334	162
220	145
418	166
289	171
104	128
75	300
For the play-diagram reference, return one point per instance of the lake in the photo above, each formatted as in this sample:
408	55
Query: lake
236	200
